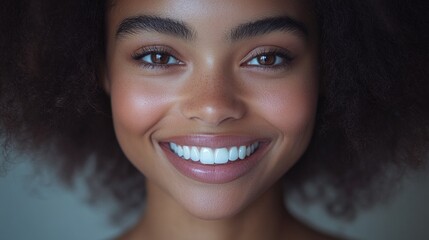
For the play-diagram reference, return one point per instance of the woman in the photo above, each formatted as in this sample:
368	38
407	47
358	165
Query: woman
222	106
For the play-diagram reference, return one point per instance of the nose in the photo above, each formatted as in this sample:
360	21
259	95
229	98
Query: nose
213	100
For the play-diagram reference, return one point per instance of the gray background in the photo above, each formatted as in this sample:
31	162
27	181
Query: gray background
36	207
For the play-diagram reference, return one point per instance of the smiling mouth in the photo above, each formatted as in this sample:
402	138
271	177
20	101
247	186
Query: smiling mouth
212	156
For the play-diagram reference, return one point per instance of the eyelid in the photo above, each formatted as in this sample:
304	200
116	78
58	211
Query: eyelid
286	54
144	51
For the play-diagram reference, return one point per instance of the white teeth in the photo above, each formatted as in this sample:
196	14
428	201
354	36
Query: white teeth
195	154
206	156
173	147
242	152
221	156
186	152
233	154
179	151
211	156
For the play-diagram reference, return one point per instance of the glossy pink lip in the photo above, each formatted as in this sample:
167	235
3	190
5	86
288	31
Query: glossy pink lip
214	174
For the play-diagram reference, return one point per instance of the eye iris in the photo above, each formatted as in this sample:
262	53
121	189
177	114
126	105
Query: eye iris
266	59
160	58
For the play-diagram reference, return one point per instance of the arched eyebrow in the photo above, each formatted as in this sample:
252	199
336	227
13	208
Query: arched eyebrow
133	25
176	28
268	25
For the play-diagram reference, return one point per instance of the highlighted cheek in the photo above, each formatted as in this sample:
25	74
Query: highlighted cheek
136	109
291	110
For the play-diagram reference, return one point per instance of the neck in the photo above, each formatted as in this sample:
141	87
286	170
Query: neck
265	218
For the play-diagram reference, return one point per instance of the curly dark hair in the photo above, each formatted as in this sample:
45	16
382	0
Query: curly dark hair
373	111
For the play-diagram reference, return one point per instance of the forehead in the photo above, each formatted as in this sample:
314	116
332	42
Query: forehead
204	14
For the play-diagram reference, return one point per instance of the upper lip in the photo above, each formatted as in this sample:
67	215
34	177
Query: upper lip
214	141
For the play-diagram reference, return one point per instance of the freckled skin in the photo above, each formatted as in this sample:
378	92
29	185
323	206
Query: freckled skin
213	93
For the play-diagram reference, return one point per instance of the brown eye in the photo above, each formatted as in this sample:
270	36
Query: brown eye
266	59
269	59
159	58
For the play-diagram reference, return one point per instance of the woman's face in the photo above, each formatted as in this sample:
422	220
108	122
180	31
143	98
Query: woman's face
213	101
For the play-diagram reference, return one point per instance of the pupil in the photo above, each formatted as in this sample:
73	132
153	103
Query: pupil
160	58
266	60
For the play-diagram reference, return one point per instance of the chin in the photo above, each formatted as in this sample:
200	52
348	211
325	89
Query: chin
217	202
214	212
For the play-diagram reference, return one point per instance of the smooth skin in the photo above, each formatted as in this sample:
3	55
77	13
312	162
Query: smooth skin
203	80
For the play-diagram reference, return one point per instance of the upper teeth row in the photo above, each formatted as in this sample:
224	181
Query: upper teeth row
207	155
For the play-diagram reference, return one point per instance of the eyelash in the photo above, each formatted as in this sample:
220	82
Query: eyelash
149	51
282	55
282	59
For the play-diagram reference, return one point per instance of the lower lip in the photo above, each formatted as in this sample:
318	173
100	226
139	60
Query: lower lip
214	174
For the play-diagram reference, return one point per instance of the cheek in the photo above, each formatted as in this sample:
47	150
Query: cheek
136	110
291	108
133	108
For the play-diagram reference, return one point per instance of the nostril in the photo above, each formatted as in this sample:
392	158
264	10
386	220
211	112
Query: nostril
212	98
213	111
